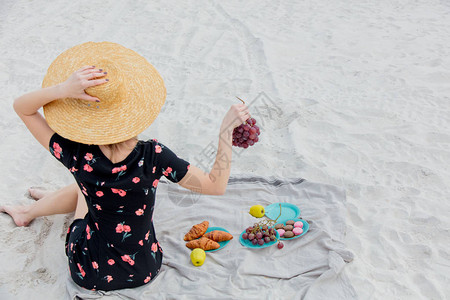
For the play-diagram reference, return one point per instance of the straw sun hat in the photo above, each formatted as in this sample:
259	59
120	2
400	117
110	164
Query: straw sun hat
129	102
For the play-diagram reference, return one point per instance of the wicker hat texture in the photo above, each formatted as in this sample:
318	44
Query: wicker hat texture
129	102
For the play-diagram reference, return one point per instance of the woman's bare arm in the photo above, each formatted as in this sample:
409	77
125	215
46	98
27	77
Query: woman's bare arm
28	105
215	182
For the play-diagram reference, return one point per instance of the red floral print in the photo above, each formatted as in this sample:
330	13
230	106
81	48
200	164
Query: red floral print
87	168
88	232
119	228
111	261
119	169
128	259
158	149
95	265
139	212
88	156
155	183
141	242
81	270
121	193
136	179
154	247
57	150
99	194
167	171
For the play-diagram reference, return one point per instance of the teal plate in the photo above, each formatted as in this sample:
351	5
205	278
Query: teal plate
222	244
288	211
249	244
305	229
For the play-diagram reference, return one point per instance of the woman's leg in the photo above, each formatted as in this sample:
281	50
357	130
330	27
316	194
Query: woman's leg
60	202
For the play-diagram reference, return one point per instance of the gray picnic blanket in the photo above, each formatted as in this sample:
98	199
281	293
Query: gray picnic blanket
309	267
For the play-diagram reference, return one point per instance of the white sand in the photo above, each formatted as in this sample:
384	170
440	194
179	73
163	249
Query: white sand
362	91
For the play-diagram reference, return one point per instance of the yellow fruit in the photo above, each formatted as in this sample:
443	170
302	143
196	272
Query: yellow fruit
257	211
198	256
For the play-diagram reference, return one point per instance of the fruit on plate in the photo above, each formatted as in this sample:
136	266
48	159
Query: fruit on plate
203	243
259	234
196	231
198	256
257	211
218	236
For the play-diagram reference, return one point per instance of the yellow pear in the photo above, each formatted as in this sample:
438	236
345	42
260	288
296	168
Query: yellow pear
198	256
257	211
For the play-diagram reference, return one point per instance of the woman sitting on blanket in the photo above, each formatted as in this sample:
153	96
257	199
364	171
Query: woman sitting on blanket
97	113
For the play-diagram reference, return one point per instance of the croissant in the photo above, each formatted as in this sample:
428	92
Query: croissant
218	236
203	243
196	231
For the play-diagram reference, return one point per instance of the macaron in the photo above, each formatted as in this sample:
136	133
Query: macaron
297	231
281	232
298	224
288	227
279	226
288	234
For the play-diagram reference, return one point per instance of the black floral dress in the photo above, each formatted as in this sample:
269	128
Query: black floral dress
115	246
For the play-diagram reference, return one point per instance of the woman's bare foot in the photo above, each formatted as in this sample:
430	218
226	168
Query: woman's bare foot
19	213
38	193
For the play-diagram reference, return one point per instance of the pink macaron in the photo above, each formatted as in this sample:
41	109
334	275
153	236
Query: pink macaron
281	232
298	224
297	231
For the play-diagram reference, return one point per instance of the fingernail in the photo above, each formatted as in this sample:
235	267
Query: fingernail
105	72
97	100
93	66
107	79
100	70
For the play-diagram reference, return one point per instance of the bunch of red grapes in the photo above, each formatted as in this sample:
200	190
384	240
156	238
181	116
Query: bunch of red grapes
246	134
259	235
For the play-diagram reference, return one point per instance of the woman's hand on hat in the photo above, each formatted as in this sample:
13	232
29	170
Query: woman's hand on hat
75	85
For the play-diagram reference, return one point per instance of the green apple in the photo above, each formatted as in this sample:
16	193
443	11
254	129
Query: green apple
198	256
